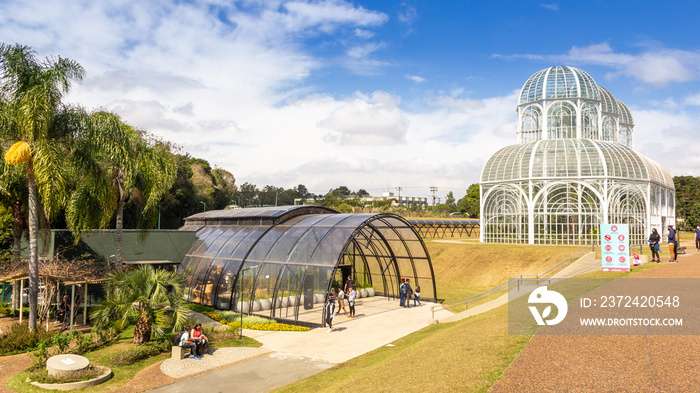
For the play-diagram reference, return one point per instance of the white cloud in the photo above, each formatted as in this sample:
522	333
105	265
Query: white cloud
657	66
416	78
551	7
373	120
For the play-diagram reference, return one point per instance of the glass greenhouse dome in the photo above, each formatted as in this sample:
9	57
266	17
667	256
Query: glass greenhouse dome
573	170
280	262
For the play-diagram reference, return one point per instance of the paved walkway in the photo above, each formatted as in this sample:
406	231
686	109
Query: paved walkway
649	363
219	357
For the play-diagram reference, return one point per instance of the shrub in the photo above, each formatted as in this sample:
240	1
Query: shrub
134	354
19	339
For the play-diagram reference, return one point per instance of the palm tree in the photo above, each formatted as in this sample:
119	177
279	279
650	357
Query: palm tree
31	93
146	295
113	161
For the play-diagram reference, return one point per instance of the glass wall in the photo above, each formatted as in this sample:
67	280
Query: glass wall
284	270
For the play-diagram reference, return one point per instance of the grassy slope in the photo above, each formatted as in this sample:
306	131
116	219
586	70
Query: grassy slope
465	269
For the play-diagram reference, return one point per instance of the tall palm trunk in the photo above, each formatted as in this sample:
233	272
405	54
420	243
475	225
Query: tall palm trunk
17	229
33	248
142	330
120	216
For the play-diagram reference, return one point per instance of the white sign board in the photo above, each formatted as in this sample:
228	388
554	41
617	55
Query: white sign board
615	247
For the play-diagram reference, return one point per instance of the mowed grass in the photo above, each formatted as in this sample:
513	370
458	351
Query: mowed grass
464	356
465	269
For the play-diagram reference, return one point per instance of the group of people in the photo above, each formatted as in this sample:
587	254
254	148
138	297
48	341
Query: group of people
406	292
673	242
195	340
347	292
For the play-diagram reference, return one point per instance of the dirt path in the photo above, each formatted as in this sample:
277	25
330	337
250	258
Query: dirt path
652	363
11	365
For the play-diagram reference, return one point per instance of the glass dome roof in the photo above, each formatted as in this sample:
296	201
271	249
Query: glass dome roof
559	82
572	158
625	114
609	103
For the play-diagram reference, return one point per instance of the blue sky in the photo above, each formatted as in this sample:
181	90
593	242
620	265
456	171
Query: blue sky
367	94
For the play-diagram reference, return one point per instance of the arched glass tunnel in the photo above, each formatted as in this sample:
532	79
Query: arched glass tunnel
279	262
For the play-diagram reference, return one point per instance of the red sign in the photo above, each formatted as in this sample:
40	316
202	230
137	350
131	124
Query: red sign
608	259
621	248
608	247
608	238
621	237
623	259
613	228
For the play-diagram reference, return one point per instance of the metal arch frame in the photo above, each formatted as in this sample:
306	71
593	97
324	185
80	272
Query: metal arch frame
393	257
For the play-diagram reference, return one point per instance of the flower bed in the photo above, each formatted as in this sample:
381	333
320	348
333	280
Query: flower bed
280	327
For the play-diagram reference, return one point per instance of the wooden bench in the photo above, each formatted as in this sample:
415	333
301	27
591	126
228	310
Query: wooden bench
178	353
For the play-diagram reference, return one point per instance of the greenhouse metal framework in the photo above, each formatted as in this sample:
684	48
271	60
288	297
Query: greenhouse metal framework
280	262
573	170
445	228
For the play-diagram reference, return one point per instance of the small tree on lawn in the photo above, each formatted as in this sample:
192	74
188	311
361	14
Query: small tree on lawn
146	295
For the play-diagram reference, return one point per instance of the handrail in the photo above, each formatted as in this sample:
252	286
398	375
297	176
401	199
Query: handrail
517	281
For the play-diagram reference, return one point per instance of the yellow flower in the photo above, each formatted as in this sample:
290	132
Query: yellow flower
19	153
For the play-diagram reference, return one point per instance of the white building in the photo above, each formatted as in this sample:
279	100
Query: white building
573	170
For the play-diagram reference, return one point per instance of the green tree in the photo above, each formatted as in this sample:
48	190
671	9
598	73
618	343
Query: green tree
31	92
112	163
151	297
687	194
694	216
450	201
469	204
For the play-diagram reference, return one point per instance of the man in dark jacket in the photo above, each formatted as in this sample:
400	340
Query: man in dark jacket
672	244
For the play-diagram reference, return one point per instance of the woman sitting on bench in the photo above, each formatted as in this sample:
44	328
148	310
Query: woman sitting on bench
199	338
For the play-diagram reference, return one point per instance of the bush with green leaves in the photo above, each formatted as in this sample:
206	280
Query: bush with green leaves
137	353
18	338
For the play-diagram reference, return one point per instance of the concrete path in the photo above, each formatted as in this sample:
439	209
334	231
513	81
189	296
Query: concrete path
259	374
219	357
378	322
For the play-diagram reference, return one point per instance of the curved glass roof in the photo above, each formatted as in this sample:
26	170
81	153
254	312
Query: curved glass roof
559	82
281	261
609	103
572	158
625	114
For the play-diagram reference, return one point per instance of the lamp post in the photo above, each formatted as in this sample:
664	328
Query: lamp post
241	290
205	205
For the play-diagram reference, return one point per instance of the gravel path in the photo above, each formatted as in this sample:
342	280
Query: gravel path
652	363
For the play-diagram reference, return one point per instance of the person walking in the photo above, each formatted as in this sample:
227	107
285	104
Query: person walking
351	301
402	292
341	303
330	310
349	283
672	244
654	239
416	296
697	239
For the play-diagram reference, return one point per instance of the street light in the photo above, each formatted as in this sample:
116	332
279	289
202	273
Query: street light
205	205
240	336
